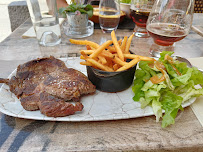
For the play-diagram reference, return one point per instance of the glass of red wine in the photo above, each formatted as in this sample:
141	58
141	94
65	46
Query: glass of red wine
139	12
169	21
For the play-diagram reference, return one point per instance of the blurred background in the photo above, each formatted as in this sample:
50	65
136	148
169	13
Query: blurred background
5	26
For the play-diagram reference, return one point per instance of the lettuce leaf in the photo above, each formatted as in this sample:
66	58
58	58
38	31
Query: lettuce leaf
183	79
163	53
170	70
181	66
197	76
191	93
171	104
144	102
138	84
157	109
168	81
144	66
167	95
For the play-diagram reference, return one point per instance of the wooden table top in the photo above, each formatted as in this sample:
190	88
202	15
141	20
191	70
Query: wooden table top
140	134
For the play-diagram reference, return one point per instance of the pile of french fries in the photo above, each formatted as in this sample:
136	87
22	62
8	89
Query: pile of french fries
110	56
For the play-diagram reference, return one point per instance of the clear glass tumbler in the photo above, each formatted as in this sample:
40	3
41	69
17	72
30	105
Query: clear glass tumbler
44	17
169	22
109	15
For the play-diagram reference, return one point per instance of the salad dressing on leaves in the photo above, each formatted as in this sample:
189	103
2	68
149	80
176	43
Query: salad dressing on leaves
155	79
170	60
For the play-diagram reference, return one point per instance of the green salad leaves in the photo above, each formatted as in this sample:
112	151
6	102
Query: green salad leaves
125	1
74	7
164	85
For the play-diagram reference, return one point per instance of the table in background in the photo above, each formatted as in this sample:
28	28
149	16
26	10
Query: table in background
142	134
198	24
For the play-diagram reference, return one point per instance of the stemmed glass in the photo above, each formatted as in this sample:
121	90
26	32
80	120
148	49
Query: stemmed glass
169	22
140	10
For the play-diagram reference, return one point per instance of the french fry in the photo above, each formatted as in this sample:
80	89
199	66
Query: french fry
111	49
109	63
88	52
107	54
82	57
104	53
99	65
86	63
99	61
129	64
95	63
102	59
119	61
116	67
85	42
119	42
118	49
100	49
88	47
123	45
128	44
109	58
133	56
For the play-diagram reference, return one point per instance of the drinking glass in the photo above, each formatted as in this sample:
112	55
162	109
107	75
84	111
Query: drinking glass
169	22
109	15
140	10
45	21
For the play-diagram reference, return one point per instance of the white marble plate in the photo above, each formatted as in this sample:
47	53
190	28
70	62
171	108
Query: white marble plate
100	106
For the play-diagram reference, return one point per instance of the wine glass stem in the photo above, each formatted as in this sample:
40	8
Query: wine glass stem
141	32
156	49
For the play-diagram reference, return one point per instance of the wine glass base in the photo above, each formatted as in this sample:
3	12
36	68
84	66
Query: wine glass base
154	53
141	32
107	30
141	35
78	32
156	49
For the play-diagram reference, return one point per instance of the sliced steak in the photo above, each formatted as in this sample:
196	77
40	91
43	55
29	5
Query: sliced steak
47	84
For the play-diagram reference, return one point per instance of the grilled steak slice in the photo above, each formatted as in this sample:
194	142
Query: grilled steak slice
70	84
54	107
47	84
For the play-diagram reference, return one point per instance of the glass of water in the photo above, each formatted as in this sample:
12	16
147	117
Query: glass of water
44	17
109	15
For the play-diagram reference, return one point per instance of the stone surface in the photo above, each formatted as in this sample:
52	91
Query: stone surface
5	28
18	13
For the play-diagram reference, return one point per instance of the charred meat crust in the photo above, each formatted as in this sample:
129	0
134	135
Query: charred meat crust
46	84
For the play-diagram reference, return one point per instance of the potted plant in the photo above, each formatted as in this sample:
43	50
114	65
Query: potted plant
77	14
125	6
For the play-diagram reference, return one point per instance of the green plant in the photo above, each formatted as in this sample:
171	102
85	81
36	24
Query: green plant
78	9
126	1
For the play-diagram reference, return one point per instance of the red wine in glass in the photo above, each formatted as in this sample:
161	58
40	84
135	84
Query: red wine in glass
139	17
169	22
166	34
140	10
